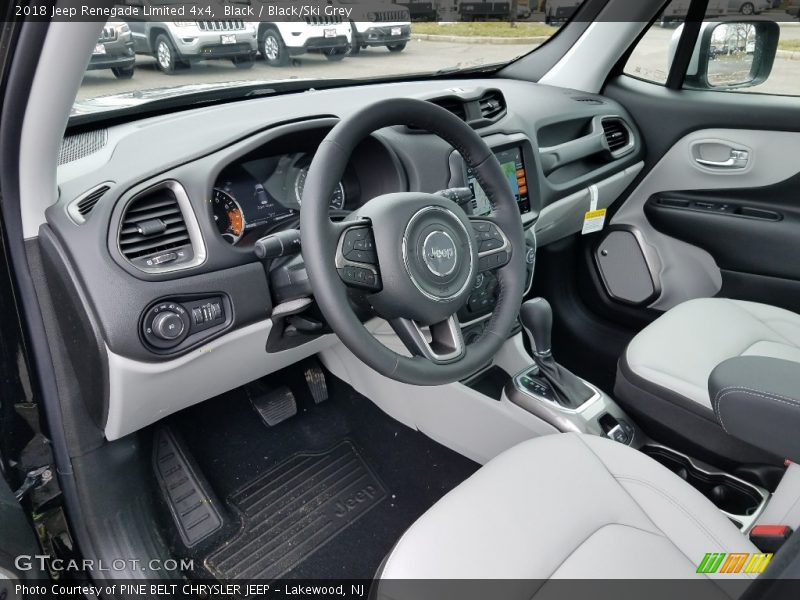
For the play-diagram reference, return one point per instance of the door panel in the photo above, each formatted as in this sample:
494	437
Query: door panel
745	230
719	205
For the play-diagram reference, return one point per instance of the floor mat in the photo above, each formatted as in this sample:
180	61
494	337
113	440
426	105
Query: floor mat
233	448
295	509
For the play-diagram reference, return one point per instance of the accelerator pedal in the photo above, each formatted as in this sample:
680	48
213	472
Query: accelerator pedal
273	405
191	502
315	378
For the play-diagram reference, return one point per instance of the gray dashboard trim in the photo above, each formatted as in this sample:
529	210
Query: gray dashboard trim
141	393
565	217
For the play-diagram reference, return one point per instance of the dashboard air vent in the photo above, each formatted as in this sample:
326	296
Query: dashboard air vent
617	134
154	234
81	208
88	202
588	100
453	105
492	105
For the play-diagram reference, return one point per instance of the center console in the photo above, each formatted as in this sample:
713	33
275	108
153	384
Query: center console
599	415
568	403
741	501
557	396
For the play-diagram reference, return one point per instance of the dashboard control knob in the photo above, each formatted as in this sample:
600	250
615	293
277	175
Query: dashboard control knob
168	325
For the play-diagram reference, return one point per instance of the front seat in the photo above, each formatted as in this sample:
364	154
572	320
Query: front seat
662	378
569	506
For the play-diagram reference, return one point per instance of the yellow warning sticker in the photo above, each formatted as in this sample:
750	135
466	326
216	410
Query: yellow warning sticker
593	220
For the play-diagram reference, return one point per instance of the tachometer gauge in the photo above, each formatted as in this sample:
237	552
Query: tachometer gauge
337	198
228	216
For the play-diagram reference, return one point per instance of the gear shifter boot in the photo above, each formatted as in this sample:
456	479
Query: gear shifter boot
568	390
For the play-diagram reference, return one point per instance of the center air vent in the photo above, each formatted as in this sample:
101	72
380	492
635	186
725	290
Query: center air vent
477	111
155	234
617	135
492	105
453	105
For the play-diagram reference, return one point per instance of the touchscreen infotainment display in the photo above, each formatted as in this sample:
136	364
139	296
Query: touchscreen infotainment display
514	169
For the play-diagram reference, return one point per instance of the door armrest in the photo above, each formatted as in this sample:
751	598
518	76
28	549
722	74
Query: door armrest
757	400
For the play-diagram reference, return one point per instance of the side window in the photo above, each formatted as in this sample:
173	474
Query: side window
743	46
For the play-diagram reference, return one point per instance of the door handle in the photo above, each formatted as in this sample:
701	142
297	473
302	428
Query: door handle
738	159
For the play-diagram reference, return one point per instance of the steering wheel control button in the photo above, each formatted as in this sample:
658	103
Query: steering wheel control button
360	277
358	246
492	245
356	259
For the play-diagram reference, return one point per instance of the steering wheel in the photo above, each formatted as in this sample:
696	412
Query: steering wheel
413	256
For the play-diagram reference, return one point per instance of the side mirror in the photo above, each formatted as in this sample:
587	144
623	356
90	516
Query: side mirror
731	55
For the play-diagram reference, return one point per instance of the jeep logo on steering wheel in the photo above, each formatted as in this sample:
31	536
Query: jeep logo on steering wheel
439	253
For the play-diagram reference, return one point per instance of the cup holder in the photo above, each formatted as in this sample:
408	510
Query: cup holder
728	493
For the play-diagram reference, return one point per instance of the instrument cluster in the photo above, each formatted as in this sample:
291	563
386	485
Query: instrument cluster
253	198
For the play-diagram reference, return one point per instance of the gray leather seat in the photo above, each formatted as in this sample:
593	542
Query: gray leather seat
663	376
568	506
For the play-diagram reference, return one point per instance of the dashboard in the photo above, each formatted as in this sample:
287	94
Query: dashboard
151	245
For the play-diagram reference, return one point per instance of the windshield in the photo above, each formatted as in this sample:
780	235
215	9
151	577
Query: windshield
227	46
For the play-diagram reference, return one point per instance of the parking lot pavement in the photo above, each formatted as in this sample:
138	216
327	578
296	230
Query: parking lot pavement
419	56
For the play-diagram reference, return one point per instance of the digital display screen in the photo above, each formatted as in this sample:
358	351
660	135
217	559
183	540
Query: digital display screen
514	169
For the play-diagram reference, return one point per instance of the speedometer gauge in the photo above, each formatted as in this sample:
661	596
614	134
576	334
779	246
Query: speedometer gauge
228	216
337	198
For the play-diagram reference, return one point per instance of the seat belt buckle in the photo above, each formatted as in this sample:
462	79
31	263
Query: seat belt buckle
769	538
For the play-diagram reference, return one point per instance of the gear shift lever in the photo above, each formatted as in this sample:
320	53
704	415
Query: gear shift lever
537	319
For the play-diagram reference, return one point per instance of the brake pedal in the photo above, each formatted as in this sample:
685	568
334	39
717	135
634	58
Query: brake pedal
315	378
274	406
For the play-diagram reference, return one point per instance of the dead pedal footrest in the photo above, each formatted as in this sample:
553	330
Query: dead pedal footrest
193	506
